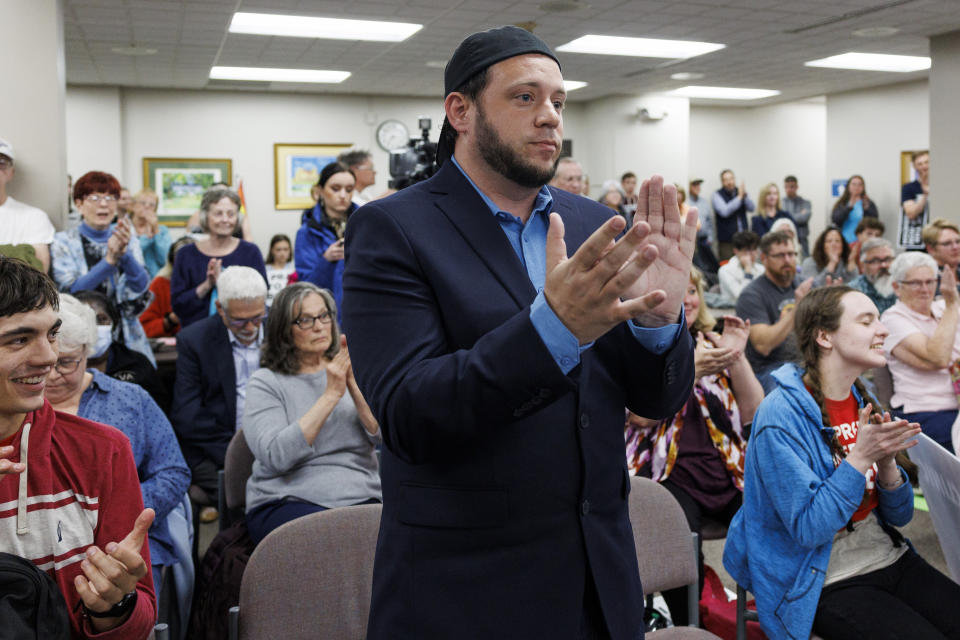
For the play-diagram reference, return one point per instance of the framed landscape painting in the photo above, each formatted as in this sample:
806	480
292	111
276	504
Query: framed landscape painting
180	183
296	168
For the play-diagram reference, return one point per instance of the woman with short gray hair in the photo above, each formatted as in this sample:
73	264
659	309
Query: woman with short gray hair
923	347
73	388
198	266
310	430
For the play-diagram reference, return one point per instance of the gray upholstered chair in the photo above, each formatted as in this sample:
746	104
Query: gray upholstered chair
232	480
310	578
666	552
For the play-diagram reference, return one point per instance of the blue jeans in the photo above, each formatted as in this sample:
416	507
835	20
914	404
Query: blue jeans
265	518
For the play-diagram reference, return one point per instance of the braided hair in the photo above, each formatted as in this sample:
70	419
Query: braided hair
820	310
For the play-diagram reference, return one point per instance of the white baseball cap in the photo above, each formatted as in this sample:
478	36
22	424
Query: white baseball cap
6	149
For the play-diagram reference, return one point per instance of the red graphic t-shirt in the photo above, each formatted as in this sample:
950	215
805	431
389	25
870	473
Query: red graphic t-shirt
844	418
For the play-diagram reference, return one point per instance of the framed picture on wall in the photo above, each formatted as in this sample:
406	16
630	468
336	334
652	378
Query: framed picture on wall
296	168
180	183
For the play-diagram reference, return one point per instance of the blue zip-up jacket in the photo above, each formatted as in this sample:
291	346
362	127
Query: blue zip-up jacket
794	502
312	240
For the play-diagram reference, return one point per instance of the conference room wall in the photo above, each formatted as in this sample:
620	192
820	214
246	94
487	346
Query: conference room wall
867	130
763	144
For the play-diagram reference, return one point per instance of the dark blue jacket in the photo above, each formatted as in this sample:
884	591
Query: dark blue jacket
204	410
504	480
313	239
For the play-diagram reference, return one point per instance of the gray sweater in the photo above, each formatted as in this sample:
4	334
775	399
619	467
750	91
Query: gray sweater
340	468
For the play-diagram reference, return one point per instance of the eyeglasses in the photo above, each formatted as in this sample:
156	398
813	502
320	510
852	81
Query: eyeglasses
783	255
147	204
5	163
94	199
918	284
307	322
240	323
66	366
886	260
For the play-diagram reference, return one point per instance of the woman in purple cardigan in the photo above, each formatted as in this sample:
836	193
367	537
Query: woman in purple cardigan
194	281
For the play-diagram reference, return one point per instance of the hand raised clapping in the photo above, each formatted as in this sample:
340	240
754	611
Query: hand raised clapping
642	275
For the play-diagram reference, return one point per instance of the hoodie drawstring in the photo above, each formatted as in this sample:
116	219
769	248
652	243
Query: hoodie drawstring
22	526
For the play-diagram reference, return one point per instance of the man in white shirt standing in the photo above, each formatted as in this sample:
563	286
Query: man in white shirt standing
20	223
360	163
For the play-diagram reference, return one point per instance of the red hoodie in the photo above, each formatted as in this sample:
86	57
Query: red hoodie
80	488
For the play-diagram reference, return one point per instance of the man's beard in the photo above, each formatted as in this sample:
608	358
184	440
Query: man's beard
883	283
506	161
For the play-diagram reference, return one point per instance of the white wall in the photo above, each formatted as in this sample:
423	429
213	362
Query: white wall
761	145
94	141
610	139
868	129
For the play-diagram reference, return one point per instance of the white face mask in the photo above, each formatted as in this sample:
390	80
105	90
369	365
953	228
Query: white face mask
104	339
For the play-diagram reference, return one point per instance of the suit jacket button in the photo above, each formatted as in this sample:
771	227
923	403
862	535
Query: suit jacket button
585	507
584	421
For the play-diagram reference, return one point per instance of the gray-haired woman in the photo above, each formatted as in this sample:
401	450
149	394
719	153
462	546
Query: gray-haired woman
310	430
198	266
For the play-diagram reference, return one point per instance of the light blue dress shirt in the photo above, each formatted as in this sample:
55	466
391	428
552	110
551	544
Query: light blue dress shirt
246	360
529	241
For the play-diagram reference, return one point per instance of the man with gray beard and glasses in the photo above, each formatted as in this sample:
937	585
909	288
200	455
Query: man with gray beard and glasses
875	281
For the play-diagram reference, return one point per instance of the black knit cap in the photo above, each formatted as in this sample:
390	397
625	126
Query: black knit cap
478	52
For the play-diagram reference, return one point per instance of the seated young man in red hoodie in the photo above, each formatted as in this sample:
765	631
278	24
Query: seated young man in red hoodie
69	494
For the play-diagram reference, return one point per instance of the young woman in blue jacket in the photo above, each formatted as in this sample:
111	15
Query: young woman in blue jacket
814	540
319	246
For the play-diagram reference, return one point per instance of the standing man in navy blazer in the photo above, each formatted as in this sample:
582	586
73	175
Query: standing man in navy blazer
498	328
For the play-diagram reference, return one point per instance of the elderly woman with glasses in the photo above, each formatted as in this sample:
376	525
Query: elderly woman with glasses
923	348
99	255
88	393
310	430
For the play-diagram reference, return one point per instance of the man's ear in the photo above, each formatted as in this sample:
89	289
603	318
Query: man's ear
219	306
459	110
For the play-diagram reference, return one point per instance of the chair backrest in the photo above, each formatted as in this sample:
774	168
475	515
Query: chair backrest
665	550
311	578
237	467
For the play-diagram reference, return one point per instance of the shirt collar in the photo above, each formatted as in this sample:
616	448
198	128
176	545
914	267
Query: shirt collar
542	204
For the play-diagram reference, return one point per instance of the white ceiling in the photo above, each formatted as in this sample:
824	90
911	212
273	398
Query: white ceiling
767	42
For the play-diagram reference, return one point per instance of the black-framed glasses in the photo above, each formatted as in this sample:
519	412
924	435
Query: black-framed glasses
307	322
886	260
5	162
66	366
240	323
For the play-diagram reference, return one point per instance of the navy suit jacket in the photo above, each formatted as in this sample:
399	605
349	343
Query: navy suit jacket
504	480
204	411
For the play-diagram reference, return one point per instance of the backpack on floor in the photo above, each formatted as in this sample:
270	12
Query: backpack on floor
718	614
218	582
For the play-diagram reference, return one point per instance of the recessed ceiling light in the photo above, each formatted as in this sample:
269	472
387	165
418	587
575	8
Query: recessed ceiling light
686	75
873	62
876	32
723	93
573	85
641	47
134	50
277	75
563	6
269	24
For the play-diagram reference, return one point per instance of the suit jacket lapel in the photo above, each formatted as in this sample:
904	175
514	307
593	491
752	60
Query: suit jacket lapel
462	205
226	372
